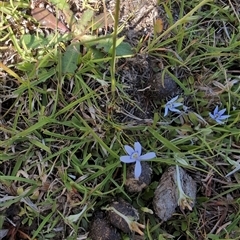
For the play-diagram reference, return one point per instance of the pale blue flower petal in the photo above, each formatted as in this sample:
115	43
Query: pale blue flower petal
138	148
166	111
147	156
129	150
174	110
218	115
215	110
134	155
224	117
177	104
138	169
127	159
172	105
218	121
212	116
221	112
173	100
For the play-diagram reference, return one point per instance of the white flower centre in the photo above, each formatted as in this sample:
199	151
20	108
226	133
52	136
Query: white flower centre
135	156
170	105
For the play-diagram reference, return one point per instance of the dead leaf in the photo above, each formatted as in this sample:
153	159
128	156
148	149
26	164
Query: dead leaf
158	25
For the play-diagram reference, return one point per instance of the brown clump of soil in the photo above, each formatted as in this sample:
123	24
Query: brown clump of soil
161	86
124	216
134	185
101	229
166	195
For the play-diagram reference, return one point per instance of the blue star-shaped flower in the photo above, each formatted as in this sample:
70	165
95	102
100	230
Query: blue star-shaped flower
218	115
134	155
172	105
